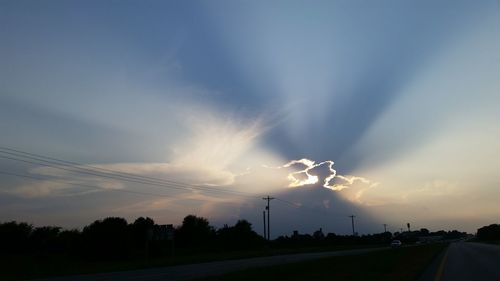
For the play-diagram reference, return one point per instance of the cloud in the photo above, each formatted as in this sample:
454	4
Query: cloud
208	205
216	141
39	189
218	151
311	173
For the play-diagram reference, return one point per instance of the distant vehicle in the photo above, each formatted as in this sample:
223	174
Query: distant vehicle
396	244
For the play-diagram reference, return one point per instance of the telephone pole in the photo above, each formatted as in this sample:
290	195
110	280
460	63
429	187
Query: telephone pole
385	228
352	221
268	216
264	219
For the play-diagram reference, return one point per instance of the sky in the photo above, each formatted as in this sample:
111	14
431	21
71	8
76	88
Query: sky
386	110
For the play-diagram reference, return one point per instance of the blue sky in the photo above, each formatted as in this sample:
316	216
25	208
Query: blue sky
401	95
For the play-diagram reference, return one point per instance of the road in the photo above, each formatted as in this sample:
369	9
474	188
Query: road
192	271
467	261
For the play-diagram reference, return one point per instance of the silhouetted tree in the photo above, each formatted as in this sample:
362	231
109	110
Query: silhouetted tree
195	232
424	231
45	239
14	237
455	234
239	236
142	234
108	238
490	232
70	241
440	233
114	238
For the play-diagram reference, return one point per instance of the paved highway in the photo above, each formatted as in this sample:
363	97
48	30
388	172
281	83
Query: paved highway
192	271
467	261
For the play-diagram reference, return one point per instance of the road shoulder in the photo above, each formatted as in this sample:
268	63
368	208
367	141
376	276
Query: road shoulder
434	270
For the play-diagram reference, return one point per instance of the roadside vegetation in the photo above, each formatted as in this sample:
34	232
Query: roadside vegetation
113	244
401	264
488	234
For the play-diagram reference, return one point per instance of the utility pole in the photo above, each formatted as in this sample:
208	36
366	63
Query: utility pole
268	216
264	219
385	228
352	221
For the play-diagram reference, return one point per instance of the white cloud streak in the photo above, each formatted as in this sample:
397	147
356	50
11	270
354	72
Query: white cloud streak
304	177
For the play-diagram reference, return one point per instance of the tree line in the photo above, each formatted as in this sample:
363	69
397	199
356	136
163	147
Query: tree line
114	238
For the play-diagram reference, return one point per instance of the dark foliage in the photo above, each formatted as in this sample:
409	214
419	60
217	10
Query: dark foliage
106	238
14	237
69	242
489	233
238	237
113	238
425	236
331	239
45	239
195	232
141	233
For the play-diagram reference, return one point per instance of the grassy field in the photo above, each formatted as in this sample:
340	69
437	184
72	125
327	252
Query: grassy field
494	242
392	264
21	267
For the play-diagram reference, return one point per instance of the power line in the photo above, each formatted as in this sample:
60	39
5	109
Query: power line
307	208
98	188
104	176
117	176
76	167
178	186
293	204
85	168
79	168
83	185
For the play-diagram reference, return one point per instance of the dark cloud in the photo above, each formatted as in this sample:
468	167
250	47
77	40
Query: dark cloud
309	208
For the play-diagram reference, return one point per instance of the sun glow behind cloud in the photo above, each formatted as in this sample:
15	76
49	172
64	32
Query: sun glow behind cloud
219	150
332	180
341	73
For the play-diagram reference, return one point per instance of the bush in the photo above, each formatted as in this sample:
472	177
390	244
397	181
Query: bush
490	232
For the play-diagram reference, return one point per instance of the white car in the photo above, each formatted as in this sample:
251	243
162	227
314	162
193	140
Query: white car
396	244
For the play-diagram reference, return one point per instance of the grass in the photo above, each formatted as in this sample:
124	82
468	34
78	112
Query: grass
393	264
21	267
493	242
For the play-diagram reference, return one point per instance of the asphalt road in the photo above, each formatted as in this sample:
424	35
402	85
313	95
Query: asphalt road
467	261
192	271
